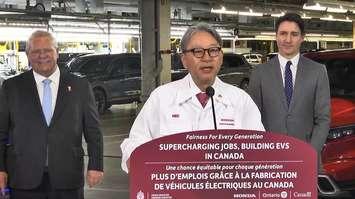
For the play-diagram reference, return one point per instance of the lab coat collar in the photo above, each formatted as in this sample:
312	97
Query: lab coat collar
220	93
188	89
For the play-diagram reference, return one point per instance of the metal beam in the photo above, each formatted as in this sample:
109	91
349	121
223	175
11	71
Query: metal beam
155	44
149	46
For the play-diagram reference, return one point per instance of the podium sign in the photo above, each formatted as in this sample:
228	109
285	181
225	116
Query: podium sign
223	164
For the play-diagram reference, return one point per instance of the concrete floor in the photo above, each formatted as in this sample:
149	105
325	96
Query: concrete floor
115	126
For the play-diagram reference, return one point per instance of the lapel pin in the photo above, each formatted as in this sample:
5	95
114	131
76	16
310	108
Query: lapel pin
69	88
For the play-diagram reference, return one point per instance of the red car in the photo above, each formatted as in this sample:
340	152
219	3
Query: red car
338	154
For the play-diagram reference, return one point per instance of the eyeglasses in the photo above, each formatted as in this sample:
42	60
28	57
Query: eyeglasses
37	52
200	52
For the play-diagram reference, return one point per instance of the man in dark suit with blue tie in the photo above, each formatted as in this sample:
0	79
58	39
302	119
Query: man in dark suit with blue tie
44	113
291	91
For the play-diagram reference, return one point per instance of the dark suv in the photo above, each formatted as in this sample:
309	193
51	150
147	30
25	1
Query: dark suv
65	58
235	69
338	155
116	78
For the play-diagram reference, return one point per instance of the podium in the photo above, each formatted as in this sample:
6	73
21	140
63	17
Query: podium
223	164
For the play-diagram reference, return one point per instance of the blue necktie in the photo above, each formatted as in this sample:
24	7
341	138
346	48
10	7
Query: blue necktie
288	83
47	100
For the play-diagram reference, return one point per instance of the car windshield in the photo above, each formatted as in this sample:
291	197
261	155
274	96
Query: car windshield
90	65
232	61
75	64
341	73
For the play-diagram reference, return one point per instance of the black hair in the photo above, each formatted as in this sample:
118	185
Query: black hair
292	17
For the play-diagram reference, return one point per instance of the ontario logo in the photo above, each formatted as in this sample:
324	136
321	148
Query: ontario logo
140	195
284	194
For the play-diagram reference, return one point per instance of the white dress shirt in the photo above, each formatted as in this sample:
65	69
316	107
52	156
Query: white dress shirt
54	85
283	61
174	108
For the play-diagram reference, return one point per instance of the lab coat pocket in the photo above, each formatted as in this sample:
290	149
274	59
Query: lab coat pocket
175	122
227	118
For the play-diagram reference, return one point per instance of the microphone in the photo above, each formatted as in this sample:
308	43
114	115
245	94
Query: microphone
210	93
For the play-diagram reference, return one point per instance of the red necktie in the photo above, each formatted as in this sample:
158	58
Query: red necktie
202	98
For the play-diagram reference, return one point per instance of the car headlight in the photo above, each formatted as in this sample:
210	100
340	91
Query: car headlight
339	132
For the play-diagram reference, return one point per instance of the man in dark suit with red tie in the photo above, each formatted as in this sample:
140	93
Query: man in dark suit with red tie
44	113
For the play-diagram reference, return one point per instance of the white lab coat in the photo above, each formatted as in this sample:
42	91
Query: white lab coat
174	108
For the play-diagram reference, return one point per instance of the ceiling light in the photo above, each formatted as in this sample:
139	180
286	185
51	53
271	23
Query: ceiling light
223	11
345	20
17	33
251	13
268	33
304	16
330	35
227	38
316	6
7	13
218	11
264	37
63	17
278	15
313	35
175	33
331	18
339	9
230	12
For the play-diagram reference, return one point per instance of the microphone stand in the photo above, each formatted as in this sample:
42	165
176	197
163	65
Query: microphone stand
210	93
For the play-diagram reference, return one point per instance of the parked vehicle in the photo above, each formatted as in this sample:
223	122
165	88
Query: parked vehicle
65	58
235	69
5	76
1	80
6	72
177	69
116	78
338	155
253	58
267	57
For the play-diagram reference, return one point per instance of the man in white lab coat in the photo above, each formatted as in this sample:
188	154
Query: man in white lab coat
175	107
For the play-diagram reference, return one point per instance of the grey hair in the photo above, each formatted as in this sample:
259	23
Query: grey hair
201	27
41	33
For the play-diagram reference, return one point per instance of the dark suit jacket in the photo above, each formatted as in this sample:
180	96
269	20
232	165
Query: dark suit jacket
23	124
308	116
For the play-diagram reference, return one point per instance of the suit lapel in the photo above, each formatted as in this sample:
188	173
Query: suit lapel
31	88
63	90
278	81
300	74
